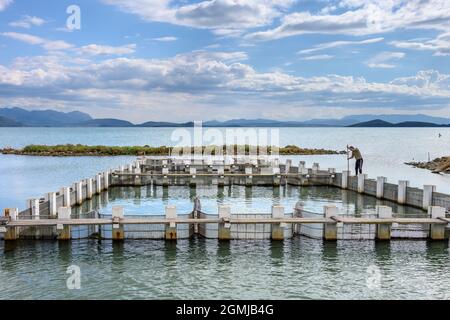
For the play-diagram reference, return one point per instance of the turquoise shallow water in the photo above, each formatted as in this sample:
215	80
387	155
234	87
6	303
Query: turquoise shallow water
300	268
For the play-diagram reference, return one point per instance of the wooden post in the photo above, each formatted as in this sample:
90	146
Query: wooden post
402	185
330	229
298	208
380	186
345	175
171	229
437	231
225	226
63	231
428	196
117	228
12	233
384	230
278	229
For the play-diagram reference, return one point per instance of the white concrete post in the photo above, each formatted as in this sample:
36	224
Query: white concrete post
301	167
130	168
171	228
13	213
65	191
192	171
330	229
278	229
12	233
248	171
345	175
225	227
64	213
106	180
402	185
79	192
384	230
315	167
117	228
428	196
89	188
288	165
99	183
437	231
361	180
137	167
380	186
51	196
64	230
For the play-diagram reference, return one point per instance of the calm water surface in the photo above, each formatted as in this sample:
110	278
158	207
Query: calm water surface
300	268
384	149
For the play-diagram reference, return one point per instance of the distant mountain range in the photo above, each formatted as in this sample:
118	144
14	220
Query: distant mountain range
18	117
377	123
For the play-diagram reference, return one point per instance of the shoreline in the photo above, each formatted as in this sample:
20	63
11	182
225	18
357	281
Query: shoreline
78	150
432	165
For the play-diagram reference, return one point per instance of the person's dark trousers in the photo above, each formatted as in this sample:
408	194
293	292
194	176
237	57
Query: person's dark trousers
358	166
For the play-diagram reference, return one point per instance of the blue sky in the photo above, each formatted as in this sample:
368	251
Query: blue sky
147	60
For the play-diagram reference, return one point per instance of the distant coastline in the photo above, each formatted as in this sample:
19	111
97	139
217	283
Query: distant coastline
18	117
84	150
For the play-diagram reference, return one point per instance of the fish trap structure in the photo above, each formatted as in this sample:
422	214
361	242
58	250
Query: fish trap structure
51	217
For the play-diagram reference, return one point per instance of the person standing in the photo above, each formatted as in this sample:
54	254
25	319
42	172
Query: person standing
358	157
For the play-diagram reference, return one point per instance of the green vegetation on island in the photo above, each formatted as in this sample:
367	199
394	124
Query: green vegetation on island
84	150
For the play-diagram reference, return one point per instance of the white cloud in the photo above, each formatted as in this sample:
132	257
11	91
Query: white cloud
363	17
318	57
34	40
205	83
211	14
4	4
165	39
384	59
335	44
440	45
27	22
96	49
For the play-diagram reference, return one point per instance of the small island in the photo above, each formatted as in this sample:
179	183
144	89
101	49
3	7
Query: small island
437	165
85	150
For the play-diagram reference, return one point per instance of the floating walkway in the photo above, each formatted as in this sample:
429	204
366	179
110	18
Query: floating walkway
51	217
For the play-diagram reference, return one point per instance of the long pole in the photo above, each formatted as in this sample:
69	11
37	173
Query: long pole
348	161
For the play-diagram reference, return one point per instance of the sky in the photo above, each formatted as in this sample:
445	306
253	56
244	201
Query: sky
163	60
